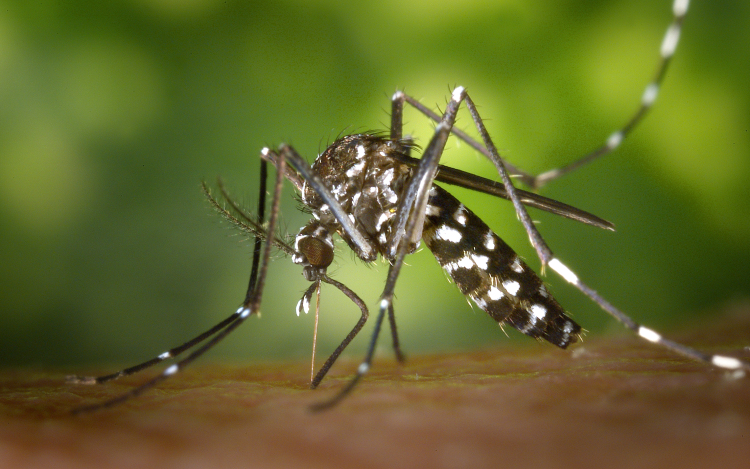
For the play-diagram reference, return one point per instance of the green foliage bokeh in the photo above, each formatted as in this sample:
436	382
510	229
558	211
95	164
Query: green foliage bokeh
111	113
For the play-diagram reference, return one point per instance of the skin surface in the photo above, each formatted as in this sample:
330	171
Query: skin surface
614	402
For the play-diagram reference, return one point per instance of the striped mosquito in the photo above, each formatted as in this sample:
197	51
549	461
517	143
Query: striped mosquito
382	202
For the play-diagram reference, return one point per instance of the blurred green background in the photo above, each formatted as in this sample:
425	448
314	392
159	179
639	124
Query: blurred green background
111	114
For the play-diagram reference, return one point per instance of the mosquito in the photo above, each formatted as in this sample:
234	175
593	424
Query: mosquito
369	190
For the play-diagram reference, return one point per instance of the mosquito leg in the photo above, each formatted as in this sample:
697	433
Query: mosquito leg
455	131
397	115
719	361
394	334
171	353
176	351
261	215
250	306
344	343
650	93
547	258
363	368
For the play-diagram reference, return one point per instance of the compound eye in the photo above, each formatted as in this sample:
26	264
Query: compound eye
318	253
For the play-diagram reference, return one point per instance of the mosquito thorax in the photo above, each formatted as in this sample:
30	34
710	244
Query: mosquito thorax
362	174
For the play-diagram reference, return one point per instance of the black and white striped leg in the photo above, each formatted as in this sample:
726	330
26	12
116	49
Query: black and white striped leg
171	353
547	258
250	306
176	351
650	93
720	361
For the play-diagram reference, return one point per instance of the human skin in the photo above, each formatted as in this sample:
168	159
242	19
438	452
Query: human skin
612	401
